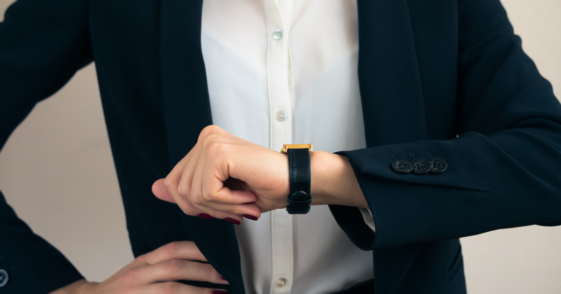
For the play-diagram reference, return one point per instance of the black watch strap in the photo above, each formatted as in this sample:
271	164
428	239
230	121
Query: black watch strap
300	176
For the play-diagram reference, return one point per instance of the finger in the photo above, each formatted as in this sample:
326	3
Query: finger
178	269
208	147
222	210
159	190
215	173
195	192
175	287
172	181
230	217
186	179
198	200
183	203
174	250
234	211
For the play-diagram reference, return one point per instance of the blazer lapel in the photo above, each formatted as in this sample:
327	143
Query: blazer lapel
187	112
392	103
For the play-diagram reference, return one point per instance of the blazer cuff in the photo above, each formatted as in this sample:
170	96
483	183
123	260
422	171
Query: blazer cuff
352	222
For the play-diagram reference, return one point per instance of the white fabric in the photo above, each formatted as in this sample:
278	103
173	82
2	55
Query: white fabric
310	74
368	218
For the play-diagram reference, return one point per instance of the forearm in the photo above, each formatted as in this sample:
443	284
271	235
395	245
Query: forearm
334	181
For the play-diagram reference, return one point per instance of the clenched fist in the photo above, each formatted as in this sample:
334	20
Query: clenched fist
229	178
226	177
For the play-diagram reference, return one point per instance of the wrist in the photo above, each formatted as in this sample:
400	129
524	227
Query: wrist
324	166
333	181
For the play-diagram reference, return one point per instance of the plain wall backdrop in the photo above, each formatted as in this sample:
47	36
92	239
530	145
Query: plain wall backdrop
57	172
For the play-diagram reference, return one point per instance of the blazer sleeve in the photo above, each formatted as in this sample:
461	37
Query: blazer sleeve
503	168
42	45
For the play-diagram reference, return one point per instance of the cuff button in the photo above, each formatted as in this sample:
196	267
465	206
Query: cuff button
402	166
3	278
421	166
438	165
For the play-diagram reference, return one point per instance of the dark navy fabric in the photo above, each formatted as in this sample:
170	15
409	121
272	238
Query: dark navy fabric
443	77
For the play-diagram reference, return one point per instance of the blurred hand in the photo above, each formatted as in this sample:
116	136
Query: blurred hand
226	177
156	272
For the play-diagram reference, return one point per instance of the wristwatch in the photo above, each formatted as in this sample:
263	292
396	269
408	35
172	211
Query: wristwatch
300	177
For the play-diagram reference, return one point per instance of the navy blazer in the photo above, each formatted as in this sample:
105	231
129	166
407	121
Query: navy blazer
436	76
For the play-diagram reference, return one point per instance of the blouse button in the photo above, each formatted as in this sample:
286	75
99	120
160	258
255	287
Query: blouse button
281	283
281	115
277	34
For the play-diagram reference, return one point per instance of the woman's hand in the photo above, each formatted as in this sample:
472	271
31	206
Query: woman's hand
226	177
156	272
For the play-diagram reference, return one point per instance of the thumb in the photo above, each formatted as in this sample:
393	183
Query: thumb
161	192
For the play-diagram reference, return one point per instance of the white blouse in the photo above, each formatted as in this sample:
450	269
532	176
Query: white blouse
285	72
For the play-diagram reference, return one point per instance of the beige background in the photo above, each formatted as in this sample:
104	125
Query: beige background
57	172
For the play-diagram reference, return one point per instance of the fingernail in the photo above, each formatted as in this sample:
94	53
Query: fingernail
232	220
219	291
221	277
205	216
249	216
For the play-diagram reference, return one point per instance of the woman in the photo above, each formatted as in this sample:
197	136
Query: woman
450	126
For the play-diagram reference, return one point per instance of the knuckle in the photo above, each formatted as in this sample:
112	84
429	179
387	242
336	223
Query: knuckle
205	132
129	277
173	266
171	249
213	129
238	210
218	152
141	258
210	129
196	198
209	196
168	182
206	272
210	140
183	190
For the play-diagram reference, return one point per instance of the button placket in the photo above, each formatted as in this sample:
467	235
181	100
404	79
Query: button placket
279	76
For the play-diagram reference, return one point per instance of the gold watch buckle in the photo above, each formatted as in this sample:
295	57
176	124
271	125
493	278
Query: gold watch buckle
285	147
